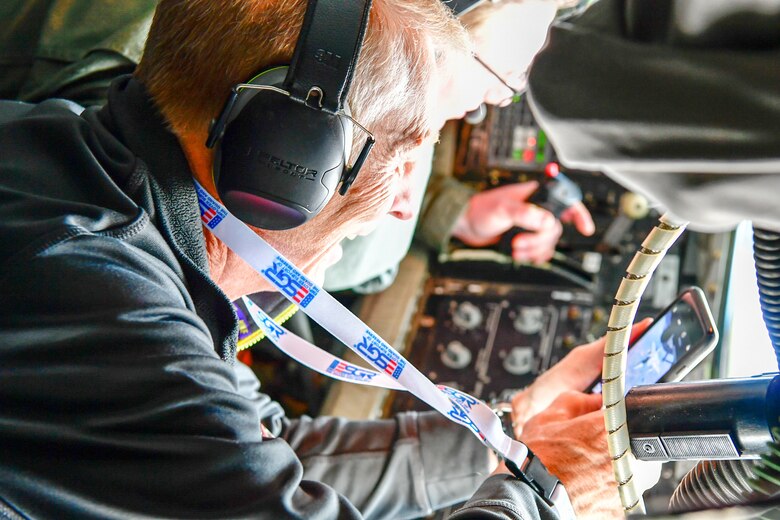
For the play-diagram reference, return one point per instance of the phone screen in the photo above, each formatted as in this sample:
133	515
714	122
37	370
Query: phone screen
669	338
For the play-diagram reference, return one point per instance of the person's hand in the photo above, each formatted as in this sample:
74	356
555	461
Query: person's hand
492	213
576	371
578	215
570	439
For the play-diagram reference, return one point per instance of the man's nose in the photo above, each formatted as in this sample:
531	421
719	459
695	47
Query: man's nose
402	203
402	207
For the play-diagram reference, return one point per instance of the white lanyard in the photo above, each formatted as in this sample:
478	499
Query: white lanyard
393	370
313	356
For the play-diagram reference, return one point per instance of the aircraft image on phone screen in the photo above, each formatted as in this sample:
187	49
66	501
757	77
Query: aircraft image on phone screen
678	332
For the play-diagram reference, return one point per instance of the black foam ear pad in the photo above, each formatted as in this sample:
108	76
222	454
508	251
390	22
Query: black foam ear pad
280	161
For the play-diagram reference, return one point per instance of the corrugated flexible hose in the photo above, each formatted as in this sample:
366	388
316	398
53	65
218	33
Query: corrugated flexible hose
766	253
622	317
715	483
731	482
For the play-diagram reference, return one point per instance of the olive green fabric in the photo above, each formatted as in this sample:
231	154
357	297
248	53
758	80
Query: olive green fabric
69	48
446	198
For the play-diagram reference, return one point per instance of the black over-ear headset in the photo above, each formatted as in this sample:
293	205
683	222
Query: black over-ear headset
283	139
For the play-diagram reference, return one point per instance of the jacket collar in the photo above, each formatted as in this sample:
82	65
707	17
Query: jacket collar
134	119
130	116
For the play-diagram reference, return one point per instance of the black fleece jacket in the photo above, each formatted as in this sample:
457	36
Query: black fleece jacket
118	394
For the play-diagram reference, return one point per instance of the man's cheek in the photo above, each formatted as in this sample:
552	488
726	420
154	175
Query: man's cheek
316	271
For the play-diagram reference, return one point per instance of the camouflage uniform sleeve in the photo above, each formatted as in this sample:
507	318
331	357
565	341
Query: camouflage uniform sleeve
71	49
446	198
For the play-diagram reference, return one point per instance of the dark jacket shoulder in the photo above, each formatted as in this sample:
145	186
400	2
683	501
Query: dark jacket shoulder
60	175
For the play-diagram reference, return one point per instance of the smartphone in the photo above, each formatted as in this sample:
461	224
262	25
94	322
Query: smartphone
679	338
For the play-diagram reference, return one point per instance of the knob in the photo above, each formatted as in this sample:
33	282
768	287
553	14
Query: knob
456	355
467	316
529	320
634	206
519	361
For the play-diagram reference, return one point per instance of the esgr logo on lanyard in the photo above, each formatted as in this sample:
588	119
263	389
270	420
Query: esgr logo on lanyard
459	413
272	330
211	214
381	354
341	369
291	282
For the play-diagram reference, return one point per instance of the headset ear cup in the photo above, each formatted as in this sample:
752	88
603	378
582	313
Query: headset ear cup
279	161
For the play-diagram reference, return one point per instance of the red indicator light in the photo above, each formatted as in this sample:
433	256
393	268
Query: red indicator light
531	142
528	155
552	170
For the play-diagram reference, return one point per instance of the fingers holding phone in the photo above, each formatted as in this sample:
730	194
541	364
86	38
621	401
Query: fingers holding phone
680	338
576	371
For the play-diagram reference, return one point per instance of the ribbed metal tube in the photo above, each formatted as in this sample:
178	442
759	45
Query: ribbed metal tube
766	252
715	483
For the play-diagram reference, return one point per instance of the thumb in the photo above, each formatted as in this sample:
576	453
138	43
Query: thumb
513	201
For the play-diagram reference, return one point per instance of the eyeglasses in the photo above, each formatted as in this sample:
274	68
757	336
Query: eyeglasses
515	94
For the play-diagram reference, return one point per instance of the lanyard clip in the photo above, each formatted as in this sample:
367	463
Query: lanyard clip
537	476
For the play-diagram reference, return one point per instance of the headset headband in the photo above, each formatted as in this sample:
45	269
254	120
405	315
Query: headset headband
326	52
318	73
